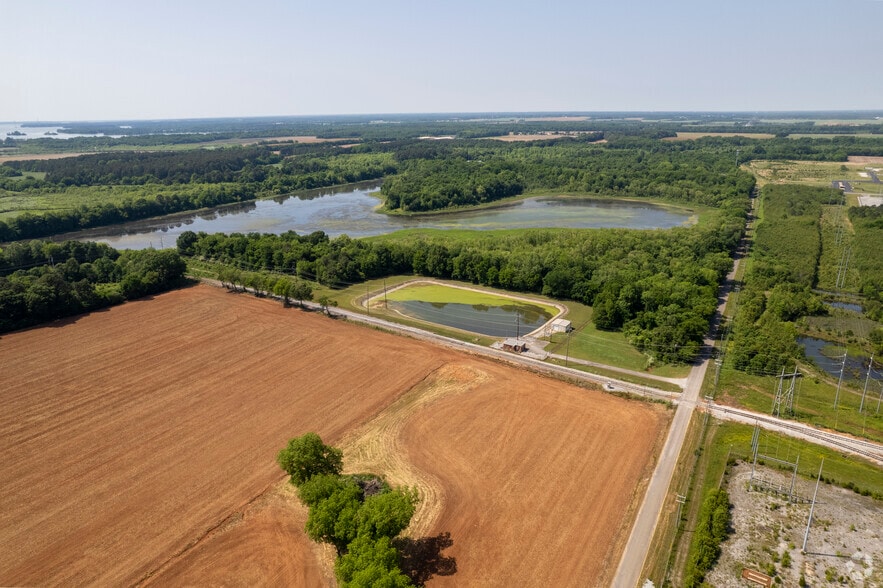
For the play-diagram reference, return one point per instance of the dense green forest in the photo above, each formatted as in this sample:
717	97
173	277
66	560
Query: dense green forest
163	167
867	256
419	175
658	287
42	280
778	286
465	173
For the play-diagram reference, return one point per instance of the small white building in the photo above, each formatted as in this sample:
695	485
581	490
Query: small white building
560	325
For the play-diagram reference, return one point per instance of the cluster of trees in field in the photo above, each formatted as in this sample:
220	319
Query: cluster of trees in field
867	256
658	287
360	515
712	528
43	280
778	285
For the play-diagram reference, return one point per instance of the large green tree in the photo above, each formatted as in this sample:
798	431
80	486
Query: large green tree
306	456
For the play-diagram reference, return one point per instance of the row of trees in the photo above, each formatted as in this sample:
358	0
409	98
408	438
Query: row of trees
658	287
288	289
360	514
712	528
43	281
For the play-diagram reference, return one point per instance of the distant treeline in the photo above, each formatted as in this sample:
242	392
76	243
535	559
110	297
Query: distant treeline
159	167
658	287
42	280
419	175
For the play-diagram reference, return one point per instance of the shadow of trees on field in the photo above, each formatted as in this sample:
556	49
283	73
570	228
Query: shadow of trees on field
421	559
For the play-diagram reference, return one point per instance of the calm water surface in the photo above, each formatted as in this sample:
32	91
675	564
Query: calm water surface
846	306
496	321
351	211
828	357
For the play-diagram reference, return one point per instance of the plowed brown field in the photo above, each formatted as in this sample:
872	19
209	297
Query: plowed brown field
139	443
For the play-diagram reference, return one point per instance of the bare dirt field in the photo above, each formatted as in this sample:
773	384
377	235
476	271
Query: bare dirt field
845	544
38	156
139	445
865	159
291	138
539	136
689	136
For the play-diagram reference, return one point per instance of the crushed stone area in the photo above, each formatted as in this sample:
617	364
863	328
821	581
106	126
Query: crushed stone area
845	546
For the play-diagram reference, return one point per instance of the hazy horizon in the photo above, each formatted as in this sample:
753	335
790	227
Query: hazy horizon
98	60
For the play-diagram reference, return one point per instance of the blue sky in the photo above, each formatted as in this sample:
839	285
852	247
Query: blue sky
103	59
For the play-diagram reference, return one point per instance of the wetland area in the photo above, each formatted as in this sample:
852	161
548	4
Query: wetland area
351	210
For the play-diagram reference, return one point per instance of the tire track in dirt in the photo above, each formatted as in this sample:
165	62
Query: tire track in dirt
377	447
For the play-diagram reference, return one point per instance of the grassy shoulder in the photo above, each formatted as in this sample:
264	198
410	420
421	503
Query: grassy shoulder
813	401
592	344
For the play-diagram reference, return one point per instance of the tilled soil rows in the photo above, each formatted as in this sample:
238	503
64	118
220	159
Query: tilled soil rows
138	444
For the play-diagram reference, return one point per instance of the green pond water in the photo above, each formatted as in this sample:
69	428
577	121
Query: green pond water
506	320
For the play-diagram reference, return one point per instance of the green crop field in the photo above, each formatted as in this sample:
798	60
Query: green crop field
440	293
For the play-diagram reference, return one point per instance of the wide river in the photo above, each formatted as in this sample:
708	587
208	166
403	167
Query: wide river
351	210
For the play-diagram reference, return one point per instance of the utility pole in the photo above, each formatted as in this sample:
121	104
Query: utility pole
813	507
681	500
868	377
384	294
367	298
517	326
840	379
567	352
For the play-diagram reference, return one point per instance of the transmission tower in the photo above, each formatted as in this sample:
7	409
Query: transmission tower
785	398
